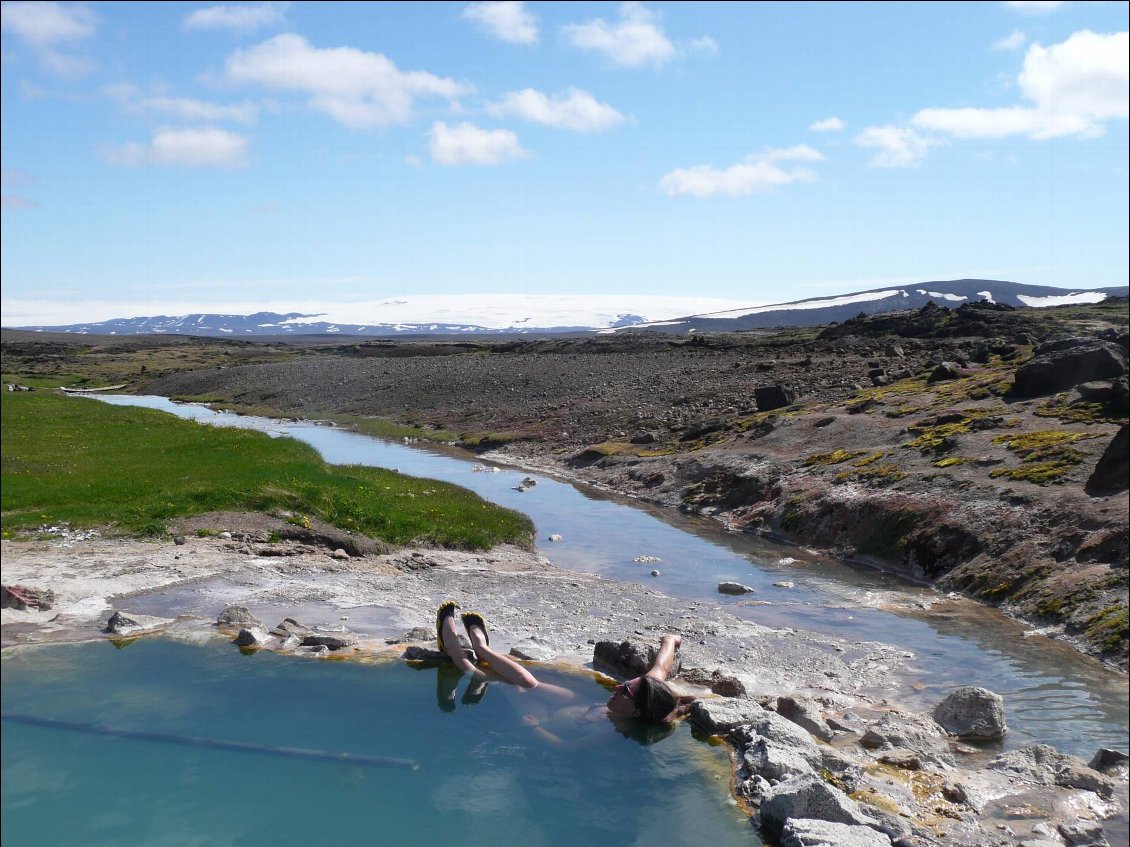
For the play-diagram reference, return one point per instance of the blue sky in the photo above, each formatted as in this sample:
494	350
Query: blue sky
186	154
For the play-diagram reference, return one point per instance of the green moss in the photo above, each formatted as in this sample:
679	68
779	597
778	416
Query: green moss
833	458
884	473
1061	408
1109	628
868	460
1030	443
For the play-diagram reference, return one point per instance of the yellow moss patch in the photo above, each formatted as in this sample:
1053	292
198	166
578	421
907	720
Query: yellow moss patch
864	462
834	458
885	472
949	462
1027	443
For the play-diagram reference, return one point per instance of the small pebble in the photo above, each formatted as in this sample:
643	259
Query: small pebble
655	573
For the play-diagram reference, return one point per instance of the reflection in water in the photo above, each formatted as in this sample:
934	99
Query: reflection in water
1053	695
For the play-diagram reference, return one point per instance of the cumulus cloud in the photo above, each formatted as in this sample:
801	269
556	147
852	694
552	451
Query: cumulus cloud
467	144
1014	41
1034	7
636	39
898	147
356	88
828	125
207	147
575	109
759	172
186	108
507	21
1074	86
240	18
44	26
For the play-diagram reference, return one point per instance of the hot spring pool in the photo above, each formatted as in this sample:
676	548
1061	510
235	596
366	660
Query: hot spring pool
482	777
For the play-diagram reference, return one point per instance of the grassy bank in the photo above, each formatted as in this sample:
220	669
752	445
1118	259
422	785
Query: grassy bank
90	464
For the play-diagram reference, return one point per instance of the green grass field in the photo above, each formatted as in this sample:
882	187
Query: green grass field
89	464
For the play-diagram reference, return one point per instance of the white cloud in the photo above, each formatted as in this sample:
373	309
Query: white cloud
828	125
354	87
899	147
1074	86
467	144
207	147
703	44
508	21
637	39
185	108
242	18
1014	41
44	26
576	110
757	173
1034	7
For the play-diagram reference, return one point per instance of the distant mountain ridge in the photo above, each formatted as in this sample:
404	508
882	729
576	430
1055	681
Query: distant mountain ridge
817	311
813	311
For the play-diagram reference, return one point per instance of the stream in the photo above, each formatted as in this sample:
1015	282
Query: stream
1053	695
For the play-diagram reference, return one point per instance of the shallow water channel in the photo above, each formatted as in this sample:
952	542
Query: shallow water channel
1052	694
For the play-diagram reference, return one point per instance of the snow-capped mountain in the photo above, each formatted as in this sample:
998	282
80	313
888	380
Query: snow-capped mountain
540	314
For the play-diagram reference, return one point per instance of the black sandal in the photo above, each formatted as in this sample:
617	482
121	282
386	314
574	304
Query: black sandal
471	619
446	610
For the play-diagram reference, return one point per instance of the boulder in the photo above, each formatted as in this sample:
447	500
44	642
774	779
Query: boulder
910	732
774	762
22	597
335	641
238	616
944	371
1111	473
906	760
718	682
734	588
120	624
1109	761
290	626
630	658
717	717
972	713
254	636
1059	365
808	797
804	832
534	650
805	715
1083	833
770	397
1042	764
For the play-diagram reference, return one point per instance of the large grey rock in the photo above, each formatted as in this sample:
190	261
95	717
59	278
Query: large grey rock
238	616
1083	833
254	636
910	732
775	762
1059	365
717	717
808	797
972	713
733	588
1042	764
803	832
534	650
290	626
769	743
631	657
771	397
120	624
1110	762
722	684
332	641
804	714
1112	472
944	371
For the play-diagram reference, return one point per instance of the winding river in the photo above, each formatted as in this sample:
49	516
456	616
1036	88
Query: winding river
1053	695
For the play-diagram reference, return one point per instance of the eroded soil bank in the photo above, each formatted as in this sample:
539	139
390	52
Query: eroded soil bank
942	443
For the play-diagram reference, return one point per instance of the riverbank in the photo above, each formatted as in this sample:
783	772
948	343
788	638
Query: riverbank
922	788
903	442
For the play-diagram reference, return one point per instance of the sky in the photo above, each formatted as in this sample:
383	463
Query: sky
181	157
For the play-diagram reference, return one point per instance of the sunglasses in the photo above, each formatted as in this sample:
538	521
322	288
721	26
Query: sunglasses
624	690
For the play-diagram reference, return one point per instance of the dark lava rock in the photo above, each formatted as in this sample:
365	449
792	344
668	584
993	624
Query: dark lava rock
630	658
1059	365
770	397
733	588
1083	833
238	616
337	641
644	438
290	626
1109	761
944	371
1111	472
120	624
972	713
254	636
23	597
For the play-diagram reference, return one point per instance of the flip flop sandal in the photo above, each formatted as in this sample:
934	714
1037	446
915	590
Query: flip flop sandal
471	619
446	610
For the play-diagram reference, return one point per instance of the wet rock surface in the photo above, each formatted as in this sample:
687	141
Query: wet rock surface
973	713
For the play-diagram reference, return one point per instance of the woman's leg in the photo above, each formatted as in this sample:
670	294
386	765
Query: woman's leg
454	649
509	670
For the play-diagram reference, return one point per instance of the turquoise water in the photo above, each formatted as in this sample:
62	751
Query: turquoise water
483	775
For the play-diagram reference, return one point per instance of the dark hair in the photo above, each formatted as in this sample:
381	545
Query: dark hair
654	700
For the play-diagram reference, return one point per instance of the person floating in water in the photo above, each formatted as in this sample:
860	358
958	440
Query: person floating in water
647	698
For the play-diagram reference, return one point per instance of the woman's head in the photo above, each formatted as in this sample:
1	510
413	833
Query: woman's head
648	699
